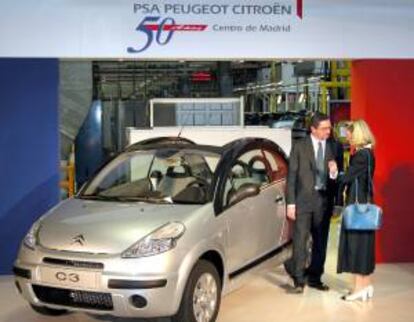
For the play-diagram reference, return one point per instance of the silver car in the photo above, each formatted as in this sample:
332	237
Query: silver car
160	231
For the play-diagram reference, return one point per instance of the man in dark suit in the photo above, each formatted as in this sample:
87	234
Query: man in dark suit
311	165
316	269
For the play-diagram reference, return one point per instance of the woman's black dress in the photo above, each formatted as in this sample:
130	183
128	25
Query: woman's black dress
357	248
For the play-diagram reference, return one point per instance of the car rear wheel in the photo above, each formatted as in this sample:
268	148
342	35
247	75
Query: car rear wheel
202	295
48	311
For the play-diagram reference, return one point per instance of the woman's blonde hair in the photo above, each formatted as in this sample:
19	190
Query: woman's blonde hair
361	134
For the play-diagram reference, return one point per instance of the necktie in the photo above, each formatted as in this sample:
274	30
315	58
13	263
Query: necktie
320	168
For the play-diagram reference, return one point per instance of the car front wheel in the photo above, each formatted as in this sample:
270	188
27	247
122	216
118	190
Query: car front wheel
202	295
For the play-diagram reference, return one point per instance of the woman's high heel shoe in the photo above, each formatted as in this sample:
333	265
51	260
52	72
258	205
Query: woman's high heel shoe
370	289
362	295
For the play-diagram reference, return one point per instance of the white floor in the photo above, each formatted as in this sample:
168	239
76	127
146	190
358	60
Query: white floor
263	299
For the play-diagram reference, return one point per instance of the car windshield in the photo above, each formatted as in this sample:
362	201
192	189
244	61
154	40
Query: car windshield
165	175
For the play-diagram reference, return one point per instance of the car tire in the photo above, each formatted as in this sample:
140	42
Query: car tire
204	281
43	310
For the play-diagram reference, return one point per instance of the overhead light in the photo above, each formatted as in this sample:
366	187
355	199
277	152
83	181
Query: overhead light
301	97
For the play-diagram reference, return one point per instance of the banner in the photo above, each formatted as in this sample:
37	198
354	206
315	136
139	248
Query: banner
217	29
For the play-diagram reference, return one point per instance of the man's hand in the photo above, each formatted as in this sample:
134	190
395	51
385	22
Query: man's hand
333	169
291	212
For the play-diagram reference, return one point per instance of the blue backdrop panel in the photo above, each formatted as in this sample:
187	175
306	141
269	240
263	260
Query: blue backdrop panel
29	148
88	145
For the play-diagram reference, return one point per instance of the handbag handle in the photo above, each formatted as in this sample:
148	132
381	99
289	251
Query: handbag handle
369	182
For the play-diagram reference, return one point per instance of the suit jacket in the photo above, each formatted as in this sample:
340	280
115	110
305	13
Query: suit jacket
358	172
301	174
332	188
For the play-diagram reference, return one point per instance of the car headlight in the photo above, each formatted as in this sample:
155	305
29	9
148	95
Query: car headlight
30	239
159	241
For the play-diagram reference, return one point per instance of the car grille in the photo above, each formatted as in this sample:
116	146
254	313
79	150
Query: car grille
72	263
74	298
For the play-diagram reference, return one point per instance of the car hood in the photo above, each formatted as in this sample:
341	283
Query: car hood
102	227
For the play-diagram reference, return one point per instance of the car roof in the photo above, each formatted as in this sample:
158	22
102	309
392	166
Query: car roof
178	146
180	143
161	139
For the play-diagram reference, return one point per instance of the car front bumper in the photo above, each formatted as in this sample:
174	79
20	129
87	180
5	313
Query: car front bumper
144	287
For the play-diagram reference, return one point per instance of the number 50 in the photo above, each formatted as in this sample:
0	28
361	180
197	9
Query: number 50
150	34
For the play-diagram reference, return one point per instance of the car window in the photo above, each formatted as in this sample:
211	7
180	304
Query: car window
250	167
271	160
164	174
277	165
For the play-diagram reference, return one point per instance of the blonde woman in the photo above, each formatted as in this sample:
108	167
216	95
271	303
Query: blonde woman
356	253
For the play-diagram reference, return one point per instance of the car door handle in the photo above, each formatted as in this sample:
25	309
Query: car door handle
279	199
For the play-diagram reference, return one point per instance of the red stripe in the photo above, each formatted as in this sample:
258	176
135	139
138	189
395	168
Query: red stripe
152	27
178	27
299	8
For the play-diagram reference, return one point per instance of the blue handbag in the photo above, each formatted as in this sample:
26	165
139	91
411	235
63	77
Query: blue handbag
365	216
362	217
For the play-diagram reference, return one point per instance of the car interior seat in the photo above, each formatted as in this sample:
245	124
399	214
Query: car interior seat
175	180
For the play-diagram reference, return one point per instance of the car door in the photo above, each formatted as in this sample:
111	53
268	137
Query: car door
248	220
269	222
277	197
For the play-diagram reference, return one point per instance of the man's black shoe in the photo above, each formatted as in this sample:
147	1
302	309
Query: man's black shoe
298	288
319	286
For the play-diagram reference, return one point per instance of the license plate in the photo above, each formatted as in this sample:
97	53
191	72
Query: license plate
69	277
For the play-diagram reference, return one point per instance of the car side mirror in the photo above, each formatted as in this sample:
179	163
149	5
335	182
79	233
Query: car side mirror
246	190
